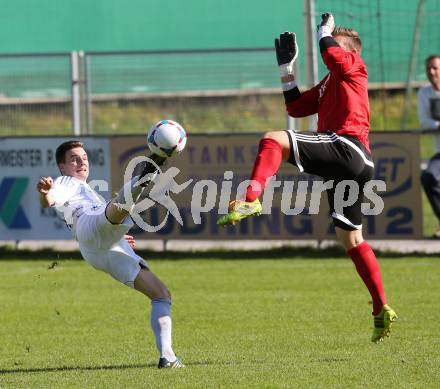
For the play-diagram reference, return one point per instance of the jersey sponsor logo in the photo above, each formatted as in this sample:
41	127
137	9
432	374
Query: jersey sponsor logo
11	211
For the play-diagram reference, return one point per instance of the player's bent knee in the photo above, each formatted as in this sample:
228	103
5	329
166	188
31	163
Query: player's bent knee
162	294
275	135
349	239
282	139
150	285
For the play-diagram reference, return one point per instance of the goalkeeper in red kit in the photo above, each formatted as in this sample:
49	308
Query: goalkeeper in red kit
338	151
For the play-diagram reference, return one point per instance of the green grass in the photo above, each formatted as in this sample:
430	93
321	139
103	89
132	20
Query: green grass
251	323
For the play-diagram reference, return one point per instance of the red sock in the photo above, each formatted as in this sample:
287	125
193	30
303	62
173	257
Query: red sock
368	268
266	165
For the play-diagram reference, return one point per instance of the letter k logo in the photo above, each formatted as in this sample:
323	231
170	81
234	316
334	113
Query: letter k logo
11	212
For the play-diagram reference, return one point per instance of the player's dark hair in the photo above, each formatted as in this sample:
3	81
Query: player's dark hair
63	148
353	41
430	58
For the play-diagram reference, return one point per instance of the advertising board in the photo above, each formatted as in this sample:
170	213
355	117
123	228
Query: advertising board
23	160
211	164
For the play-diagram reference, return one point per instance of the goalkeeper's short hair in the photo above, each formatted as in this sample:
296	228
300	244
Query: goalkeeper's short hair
353	41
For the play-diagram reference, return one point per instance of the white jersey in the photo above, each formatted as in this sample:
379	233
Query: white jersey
101	243
73	198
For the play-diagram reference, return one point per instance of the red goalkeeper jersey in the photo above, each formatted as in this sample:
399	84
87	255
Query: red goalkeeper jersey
341	97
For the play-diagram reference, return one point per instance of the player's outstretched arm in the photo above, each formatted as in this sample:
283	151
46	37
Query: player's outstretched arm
336	58
326	27
297	104
44	185
326	39
287	51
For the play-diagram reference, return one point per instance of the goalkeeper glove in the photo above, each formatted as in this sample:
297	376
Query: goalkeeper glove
287	51
327	25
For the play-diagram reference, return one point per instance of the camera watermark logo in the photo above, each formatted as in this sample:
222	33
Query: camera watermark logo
297	196
207	194
159	193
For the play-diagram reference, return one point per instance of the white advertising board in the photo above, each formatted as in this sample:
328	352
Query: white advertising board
23	160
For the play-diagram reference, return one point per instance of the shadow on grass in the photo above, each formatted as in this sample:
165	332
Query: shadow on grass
76	368
281	253
91	368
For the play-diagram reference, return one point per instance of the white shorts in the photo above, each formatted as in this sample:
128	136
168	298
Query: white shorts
102	244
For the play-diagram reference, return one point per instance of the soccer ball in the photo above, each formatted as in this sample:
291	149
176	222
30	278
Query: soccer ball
166	138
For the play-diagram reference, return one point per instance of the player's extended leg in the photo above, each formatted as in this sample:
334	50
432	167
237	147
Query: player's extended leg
368	269
273	148
120	207
151	286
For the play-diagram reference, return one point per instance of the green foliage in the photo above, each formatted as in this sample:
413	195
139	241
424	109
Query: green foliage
290	322
233	114
256	113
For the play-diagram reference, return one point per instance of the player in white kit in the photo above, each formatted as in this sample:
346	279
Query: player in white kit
101	227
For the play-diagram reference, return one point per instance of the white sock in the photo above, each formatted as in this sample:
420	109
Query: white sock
161	325
165	338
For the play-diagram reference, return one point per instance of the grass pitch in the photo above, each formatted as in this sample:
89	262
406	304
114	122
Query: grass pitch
256	323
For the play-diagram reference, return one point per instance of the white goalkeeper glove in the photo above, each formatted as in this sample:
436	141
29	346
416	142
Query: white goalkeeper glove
327	26
287	51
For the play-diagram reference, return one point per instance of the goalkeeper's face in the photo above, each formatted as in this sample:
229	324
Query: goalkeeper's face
433	72
76	164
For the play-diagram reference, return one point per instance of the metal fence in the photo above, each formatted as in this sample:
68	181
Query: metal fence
74	92
212	89
158	83
35	94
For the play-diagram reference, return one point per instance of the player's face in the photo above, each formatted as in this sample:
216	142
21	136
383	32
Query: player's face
76	164
433	72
